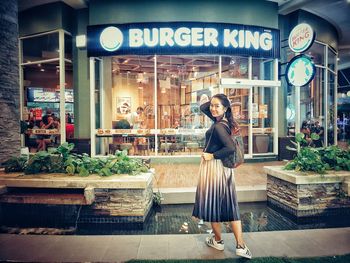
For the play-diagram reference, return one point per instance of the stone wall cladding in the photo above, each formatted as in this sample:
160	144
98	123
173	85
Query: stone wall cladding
282	191
305	199
126	205
9	76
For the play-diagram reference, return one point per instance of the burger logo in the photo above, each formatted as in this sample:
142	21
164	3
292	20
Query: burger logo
111	38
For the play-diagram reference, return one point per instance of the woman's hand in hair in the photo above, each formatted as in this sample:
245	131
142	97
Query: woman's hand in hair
207	156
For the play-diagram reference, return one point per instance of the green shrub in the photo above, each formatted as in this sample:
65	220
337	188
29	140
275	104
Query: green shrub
317	159
61	160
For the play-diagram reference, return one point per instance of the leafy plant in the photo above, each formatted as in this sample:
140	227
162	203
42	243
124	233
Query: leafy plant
307	159
15	164
61	160
157	198
336	158
317	159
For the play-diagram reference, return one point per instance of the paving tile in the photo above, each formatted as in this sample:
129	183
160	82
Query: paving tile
206	252
273	246
297	243
122	248
25	247
78	249
183	247
153	247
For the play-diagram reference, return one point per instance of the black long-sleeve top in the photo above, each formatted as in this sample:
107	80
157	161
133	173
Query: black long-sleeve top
220	144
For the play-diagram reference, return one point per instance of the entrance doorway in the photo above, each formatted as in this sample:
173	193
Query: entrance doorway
254	105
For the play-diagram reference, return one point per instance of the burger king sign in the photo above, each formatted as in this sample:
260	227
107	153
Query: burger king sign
301	38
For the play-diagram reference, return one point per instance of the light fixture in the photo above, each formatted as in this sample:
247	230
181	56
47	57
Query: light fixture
80	41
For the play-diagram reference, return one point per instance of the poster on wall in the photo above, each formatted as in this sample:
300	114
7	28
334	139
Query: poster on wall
263	111
123	105
255	110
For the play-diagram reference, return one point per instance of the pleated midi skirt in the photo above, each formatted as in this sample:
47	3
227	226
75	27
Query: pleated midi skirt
216	198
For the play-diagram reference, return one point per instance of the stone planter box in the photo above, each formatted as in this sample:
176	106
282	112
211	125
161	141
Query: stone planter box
308	194
115	199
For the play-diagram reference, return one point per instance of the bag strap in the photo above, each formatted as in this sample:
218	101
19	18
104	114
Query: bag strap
234	131
209	140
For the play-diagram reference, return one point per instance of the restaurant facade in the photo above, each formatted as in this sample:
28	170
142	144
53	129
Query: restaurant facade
133	74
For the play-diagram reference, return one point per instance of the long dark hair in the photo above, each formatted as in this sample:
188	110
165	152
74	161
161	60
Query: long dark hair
228	114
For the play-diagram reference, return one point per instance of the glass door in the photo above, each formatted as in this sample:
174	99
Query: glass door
263	120
241	105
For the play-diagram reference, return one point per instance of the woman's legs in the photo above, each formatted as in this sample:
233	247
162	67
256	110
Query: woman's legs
217	230
237	231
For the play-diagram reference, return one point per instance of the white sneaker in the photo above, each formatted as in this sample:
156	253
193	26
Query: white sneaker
211	242
243	252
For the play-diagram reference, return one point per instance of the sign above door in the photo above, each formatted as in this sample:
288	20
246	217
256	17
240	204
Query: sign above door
182	38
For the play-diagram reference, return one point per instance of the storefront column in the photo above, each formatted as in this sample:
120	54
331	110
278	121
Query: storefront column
92	107
297	109
9	81
325	98
275	107
62	86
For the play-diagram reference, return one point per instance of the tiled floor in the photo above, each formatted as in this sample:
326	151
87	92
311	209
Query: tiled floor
248	174
298	243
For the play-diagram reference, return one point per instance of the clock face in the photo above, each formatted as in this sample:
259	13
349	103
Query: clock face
300	71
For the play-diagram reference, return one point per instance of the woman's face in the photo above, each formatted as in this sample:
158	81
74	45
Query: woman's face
216	108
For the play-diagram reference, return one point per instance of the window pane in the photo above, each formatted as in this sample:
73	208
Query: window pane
330	120
183	83
132	105
262	69
40	48
312	106
239	99
68	47
316	52
332	59
234	67
262	111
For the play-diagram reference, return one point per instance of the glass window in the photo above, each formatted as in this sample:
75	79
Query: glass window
68	47
239	98
234	67
41	47
330	120
316	52
184	82
332	59
262	114
262	69
128	105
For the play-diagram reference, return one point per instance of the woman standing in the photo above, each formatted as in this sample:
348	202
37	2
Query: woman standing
216	199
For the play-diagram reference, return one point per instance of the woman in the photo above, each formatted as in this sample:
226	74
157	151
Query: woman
216	199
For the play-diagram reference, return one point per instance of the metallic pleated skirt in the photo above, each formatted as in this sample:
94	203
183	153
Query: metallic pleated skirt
216	198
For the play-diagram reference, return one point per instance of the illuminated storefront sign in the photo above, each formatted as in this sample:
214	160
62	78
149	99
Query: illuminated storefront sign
301	38
300	71
182	38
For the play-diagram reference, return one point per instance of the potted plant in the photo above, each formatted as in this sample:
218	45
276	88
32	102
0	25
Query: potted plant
314	183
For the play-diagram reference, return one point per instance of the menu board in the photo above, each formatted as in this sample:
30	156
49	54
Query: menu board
42	95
